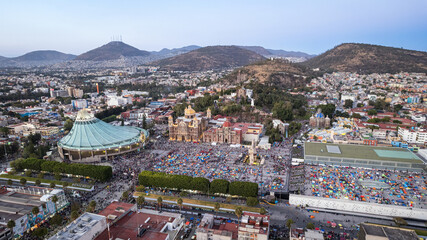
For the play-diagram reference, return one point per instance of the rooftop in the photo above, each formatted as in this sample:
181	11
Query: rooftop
80	227
361	152
116	209
14	205
126	228
391	233
90	133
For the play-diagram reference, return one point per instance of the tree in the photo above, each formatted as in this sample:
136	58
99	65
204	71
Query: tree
159	202
74	215
52	185
125	195
9	182
217	207
251	201
359	105
381	104
28	173
328	109
397	107
56	219
58	176
310	225
4	130
400	221
40	175
200	184
92	205
38	182
244	189
144	122
239	212
11	224
356	115
179	109
34	138
372	112
283	111
68	125
262	211
40	232
55	200
23	181
35	210
140	200
289	223
348	103
179	202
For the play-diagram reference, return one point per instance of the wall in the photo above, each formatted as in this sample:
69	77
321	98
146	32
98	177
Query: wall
359	207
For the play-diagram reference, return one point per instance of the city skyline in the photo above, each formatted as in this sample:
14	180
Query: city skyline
306	26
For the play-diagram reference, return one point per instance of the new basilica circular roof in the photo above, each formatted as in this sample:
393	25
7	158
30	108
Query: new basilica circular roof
90	133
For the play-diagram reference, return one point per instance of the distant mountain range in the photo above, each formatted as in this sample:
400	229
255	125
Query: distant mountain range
366	58
36	58
111	51
295	56
350	57
207	58
165	52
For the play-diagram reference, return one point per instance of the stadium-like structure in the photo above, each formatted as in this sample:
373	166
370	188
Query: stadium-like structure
92	140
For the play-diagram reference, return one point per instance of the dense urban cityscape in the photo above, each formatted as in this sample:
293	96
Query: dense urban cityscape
219	142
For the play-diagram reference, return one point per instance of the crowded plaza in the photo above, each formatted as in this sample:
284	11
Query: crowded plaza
368	185
224	162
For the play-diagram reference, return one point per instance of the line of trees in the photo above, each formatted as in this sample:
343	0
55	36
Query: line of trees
102	173
172	181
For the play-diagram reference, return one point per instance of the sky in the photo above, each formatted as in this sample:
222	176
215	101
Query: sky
309	26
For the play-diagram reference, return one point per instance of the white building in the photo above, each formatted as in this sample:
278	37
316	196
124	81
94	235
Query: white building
348	97
86	227
372	97
119	101
413	136
419	118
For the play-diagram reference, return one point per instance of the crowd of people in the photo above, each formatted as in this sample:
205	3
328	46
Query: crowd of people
369	185
225	162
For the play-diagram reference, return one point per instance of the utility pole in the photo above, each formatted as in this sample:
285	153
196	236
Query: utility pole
5	153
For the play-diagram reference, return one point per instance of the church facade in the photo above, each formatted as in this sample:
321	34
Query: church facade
189	128
224	134
319	120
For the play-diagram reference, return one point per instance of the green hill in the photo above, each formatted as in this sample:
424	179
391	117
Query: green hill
366	58
207	58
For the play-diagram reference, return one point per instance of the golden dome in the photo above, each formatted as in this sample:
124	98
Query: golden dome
189	111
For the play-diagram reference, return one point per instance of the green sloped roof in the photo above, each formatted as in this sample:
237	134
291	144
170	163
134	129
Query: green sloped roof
90	133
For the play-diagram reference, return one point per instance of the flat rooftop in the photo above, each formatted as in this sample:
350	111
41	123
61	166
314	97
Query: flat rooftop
361	152
79	227
14	205
392	233
116	209
126	228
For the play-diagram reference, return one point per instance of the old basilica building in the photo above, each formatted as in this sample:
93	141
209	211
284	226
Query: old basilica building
194	127
189	128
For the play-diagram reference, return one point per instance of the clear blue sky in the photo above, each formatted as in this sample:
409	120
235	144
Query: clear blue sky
311	26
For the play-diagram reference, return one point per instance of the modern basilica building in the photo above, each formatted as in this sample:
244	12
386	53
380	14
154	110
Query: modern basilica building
92	140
